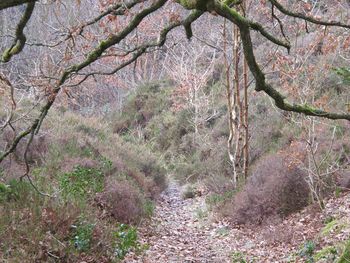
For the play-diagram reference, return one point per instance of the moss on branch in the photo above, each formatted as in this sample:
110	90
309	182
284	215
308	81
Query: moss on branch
92	57
245	26
20	38
194	4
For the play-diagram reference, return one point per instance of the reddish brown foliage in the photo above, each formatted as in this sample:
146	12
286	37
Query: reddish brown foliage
122	201
275	189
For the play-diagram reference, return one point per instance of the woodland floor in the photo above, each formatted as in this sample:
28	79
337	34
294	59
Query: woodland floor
185	231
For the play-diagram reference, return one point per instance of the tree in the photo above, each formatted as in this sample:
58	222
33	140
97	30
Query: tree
132	15
191	69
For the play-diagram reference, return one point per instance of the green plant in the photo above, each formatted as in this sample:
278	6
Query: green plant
81	182
148	208
72	148
189	192
328	219
337	192
340	131
307	251
214	200
329	227
106	164
90	131
345	257
333	226
16	190
126	240
328	253
4	190
83	233
201	213
223	231
237	257
344	73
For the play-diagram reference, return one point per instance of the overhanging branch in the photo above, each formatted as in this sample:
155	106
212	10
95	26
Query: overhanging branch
92	57
261	84
140	50
20	39
4	4
307	18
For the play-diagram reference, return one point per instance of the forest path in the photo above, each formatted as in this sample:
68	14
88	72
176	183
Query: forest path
182	231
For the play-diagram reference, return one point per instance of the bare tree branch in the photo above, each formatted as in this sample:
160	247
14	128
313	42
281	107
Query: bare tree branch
261	84
223	9
92	57
307	18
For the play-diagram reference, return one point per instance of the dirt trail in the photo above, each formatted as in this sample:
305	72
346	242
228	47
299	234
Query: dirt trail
181	231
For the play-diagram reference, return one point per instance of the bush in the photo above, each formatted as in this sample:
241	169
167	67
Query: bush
122	201
274	189
189	192
126	240
308	250
326	254
82	235
17	191
148	101
216	200
81	182
137	160
238	257
36	151
208	162
85	161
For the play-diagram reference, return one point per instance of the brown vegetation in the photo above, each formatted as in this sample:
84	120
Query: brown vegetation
122	201
273	189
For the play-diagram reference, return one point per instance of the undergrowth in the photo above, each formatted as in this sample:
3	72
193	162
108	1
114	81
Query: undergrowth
80	163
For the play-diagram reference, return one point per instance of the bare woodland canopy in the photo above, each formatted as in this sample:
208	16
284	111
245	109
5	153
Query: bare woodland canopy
105	37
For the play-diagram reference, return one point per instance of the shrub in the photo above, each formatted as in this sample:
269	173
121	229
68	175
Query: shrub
189	192
125	240
274	188
327	254
215	200
81	182
16	191
307	251
238	257
187	168
344	73
122	201
142	166
148	208
344	179
221	129
4	192
148	101
36	151
76	163
160	129
88	130
82	235
206	161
